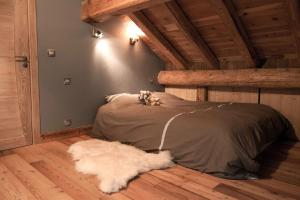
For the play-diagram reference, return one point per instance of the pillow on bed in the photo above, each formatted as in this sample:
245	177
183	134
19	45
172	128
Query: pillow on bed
127	98
111	98
122	99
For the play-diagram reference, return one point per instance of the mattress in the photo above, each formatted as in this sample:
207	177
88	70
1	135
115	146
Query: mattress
223	139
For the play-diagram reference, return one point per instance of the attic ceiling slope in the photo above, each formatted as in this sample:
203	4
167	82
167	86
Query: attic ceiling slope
226	10
211	34
191	33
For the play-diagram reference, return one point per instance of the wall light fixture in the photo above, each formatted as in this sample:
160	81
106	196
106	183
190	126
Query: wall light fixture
96	33
133	32
133	40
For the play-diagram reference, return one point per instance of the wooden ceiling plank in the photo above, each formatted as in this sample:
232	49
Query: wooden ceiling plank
158	39
257	78
227	12
192	33
100	10
293	7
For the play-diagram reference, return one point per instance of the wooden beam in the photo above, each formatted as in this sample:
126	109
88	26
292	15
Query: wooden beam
99	10
192	33
85	11
258	78
293	7
157	38
227	12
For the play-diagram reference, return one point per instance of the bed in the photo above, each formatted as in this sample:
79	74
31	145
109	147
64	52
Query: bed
223	139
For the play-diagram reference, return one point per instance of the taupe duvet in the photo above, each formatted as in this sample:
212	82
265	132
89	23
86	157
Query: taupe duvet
219	138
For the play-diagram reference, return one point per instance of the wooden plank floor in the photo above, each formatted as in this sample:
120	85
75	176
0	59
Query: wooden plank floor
45	171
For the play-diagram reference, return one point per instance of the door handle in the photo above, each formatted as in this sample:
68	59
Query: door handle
22	59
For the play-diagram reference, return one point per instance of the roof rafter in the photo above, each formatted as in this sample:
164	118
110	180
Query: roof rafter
257	78
159	40
191	32
228	14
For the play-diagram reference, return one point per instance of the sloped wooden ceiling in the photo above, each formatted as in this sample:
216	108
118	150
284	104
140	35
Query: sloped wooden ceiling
212	34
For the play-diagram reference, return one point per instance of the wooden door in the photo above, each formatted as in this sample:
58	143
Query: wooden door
15	100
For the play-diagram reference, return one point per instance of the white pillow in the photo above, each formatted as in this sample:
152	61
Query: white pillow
113	97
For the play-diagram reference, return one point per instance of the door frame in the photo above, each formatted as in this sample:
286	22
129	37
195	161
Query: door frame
34	72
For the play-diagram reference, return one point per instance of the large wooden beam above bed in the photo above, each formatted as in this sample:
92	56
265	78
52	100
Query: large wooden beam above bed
258	78
98	10
228	14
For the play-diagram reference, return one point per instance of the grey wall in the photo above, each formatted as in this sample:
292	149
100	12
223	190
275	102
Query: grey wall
98	67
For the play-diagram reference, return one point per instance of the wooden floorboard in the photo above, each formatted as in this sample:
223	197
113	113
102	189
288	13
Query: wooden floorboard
46	171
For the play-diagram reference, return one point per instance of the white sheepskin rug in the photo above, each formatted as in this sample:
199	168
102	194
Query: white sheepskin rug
115	163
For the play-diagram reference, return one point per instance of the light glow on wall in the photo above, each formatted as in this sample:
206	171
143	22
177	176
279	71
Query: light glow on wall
104	53
102	47
108	50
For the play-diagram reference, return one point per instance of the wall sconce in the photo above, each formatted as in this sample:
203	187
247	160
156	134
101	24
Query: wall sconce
96	33
133	40
133	32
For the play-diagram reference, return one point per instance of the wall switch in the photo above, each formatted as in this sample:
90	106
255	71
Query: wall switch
67	81
68	122
51	52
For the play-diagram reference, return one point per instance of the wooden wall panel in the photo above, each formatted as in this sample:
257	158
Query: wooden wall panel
216	94
225	94
287	102
189	94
